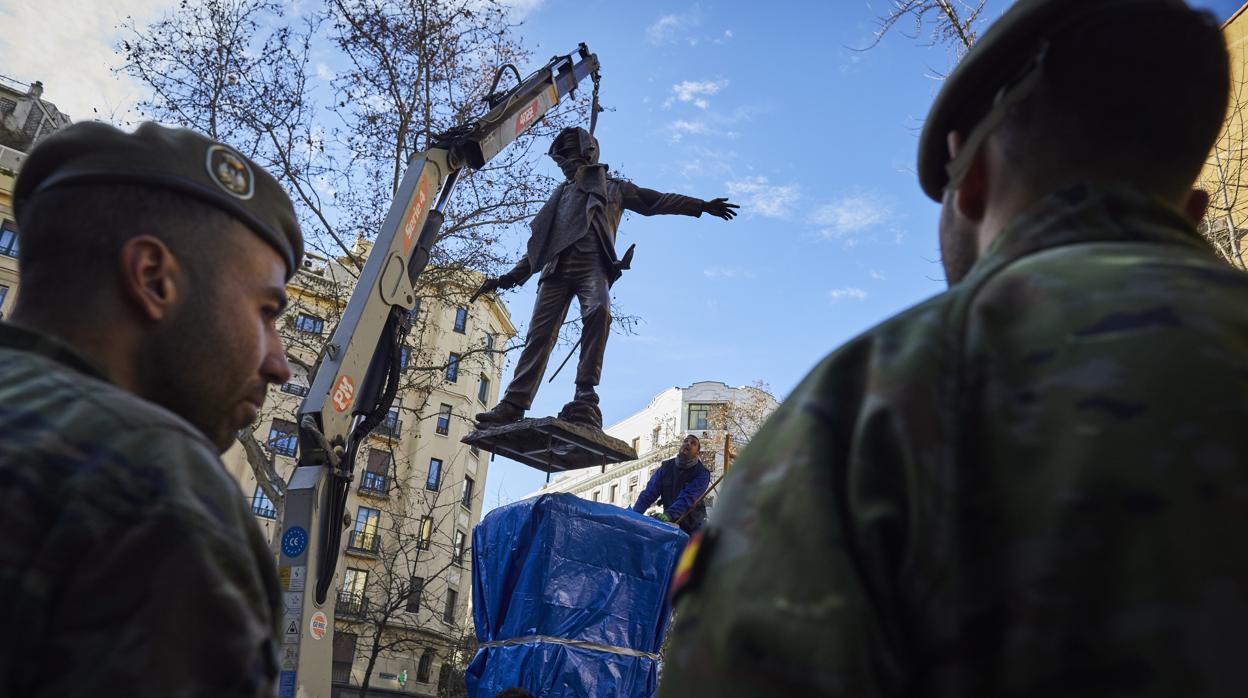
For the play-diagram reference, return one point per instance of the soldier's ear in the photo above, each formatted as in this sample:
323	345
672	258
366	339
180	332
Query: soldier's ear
1196	205
970	196
150	277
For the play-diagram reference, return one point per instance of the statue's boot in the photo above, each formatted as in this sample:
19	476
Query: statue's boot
583	409
503	413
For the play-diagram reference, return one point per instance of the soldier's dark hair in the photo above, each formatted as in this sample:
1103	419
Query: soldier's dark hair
513	693
1135	95
71	237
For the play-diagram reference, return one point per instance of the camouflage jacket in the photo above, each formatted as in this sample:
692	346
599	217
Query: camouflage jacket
1029	485
129	563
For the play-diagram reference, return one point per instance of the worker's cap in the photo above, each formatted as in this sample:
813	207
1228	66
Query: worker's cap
574	141
177	159
1000	70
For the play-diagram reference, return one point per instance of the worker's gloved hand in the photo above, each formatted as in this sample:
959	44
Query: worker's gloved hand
720	208
661	516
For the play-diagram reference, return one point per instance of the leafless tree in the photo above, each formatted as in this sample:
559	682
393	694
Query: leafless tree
409	556
944	22
334	99
1225	178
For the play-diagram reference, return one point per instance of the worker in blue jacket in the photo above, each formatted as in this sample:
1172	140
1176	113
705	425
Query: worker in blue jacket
679	484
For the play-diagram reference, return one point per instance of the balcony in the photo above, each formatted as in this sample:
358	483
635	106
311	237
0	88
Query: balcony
262	507
375	485
351	605
341	673
364	542
295	389
389	428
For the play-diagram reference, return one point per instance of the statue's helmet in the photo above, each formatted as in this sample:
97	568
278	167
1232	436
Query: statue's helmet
574	142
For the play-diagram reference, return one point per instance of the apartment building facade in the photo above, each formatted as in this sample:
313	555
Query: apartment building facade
25	119
405	579
656	431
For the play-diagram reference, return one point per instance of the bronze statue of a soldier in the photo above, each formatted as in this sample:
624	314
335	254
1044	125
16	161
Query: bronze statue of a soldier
573	246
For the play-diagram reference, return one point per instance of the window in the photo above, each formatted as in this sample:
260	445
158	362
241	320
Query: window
451	597
466	500
632	489
699	416
364	536
4	293
452	368
457	551
426	532
594	496
654	436
376	473
261	505
483	389
283	437
414	312
613	490
344	655
405	353
489	341
433	481
413	594
444	419
461	320
637	445
424	670
309	324
351	599
390	425
8	240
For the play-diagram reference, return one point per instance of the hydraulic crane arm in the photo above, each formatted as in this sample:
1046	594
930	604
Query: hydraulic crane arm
356	378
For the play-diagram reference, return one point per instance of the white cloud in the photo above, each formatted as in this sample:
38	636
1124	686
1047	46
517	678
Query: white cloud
695	91
670	27
852	293
728	273
848	217
679	129
323	72
757	195
68	45
878	275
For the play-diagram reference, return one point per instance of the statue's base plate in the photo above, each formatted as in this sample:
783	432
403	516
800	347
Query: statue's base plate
552	445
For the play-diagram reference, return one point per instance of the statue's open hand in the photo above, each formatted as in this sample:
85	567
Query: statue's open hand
720	208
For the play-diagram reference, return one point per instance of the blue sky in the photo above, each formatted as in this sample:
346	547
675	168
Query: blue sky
769	104
765	102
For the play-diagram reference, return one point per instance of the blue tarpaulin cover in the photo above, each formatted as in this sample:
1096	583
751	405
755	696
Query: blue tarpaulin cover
570	598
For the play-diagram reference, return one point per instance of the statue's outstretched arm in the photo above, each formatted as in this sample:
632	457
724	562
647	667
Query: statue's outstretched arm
649	202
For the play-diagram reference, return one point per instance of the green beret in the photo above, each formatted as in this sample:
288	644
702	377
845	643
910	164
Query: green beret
177	159
995	73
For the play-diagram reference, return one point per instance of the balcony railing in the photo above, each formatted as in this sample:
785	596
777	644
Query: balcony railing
264	508
364	541
295	389
374	484
388	427
341	673
351	605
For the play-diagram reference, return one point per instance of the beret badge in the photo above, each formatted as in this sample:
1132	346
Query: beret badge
230	172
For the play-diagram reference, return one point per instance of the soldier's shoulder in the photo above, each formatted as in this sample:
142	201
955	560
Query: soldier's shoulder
81	405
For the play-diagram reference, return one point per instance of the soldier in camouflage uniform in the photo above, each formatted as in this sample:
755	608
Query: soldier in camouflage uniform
153	267
1034	483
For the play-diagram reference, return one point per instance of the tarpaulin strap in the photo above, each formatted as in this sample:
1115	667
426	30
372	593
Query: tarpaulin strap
580	644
